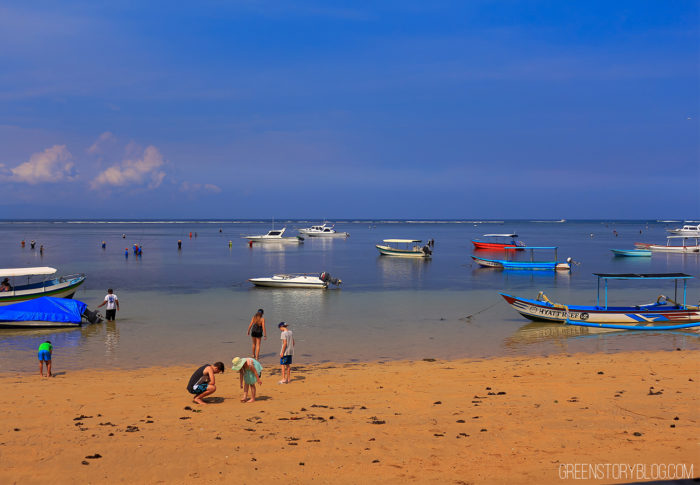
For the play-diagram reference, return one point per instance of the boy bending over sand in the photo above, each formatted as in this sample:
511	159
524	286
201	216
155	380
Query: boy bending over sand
202	382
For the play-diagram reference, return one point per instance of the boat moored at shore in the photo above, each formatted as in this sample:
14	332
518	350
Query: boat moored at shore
405	248
18	290
47	312
523	264
298	280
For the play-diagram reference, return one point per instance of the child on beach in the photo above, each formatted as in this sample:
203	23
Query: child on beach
286	353
45	351
250	371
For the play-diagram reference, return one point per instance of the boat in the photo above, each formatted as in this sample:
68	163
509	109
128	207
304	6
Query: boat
531	264
322	231
687	230
671	247
632	253
275	235
405	248
47	311
19	290
298	280
663	314
499	242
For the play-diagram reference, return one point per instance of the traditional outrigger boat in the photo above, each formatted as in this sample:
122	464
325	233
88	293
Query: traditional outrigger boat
322	231
298	280
670	247
47	312
405	248
663	314
275	235
62	287
499	242
632	253
530	264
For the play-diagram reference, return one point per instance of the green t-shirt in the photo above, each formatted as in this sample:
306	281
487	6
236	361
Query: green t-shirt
45	346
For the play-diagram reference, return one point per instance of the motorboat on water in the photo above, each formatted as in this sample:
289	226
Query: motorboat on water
298	280
688	244
498	242
47	311
632	253
405	248
663	314
686	230
526	264
322	230
275	235
17	289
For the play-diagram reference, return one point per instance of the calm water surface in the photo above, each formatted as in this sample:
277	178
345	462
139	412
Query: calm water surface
194	305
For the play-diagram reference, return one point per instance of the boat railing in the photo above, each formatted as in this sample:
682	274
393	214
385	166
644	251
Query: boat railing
69	277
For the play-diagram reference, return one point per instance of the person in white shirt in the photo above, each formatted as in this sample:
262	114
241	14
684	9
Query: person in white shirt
286	353
112	303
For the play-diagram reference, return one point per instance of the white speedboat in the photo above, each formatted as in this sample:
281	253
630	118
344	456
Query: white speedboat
674	244
36	284
275	235
298	280
322	231
687	230
405	248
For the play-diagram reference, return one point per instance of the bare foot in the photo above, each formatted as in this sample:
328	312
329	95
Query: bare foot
251	400
282	382
245	399
197	400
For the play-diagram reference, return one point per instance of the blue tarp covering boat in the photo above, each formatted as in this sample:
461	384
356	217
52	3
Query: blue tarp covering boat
45	311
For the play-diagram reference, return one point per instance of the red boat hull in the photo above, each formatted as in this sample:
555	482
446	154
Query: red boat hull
493	245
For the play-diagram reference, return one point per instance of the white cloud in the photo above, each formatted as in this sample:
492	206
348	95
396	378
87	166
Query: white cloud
54	164
139	171
104	139
188	187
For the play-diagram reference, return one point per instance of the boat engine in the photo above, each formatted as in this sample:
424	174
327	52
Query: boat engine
327	278
92	316
426	250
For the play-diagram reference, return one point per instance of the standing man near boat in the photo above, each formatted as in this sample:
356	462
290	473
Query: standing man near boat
112	303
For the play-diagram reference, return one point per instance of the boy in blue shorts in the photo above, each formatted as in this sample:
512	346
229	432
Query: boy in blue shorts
286	353
45	351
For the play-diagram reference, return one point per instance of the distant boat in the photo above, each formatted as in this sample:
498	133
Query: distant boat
322	231
404	248
298	280
670	247
631	253
61	287
687	230
531	264
499	242
47	312
275	235
663	314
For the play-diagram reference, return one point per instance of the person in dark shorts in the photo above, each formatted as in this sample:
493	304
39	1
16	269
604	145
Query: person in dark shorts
256	329
112	303
286	353
202	383
45	351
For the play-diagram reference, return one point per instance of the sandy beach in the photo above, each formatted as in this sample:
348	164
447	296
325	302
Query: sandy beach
502	420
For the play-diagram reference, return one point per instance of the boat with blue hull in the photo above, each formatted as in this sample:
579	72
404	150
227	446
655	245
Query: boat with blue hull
632	253
18	289
524	264
663	314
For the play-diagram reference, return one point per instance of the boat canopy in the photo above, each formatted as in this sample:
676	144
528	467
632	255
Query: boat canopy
500	235
41	270
644	276
405	241
45	309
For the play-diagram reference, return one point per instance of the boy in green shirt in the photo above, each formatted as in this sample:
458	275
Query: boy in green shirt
45	351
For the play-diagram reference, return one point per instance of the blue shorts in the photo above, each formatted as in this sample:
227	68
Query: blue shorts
200	388
45	355
286	360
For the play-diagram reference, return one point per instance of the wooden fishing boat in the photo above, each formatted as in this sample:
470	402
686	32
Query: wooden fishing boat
404	248
515	264
499	242
18	289
632	253
663	314
688	244
47	312
298	280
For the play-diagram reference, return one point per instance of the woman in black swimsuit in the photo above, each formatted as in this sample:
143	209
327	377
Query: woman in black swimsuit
257	330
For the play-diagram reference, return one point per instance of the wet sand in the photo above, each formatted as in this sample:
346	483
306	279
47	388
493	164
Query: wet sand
502	420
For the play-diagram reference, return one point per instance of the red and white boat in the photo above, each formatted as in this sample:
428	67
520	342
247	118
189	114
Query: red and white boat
499	242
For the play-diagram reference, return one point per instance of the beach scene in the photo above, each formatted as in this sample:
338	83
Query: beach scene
314	243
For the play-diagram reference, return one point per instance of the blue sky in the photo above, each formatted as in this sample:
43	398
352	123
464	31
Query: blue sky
350	109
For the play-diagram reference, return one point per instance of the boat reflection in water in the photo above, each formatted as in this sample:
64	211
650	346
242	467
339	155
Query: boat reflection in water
402	272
